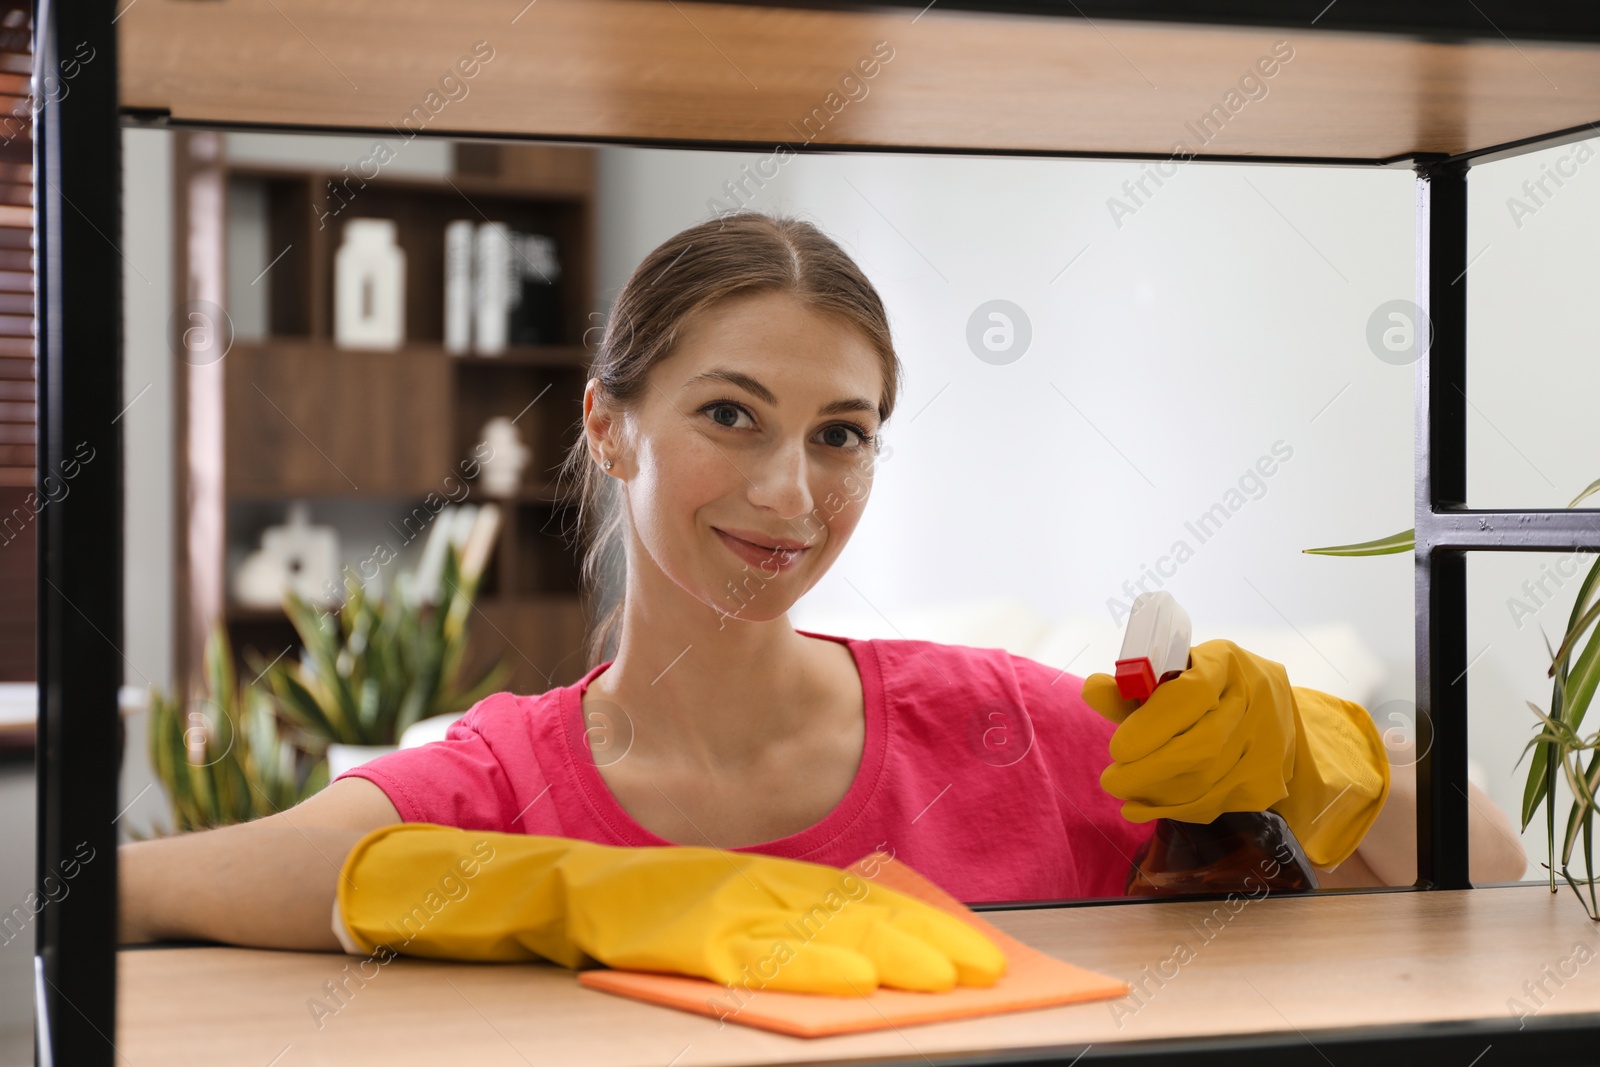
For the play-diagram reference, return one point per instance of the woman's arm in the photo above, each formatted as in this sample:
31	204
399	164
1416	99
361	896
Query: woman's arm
1388	853
268	883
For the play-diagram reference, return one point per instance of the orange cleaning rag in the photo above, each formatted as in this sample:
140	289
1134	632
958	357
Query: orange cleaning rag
1032	980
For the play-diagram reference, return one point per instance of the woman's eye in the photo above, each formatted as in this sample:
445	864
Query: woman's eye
840	436
718	411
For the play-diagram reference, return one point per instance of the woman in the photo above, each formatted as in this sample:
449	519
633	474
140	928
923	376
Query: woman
729	436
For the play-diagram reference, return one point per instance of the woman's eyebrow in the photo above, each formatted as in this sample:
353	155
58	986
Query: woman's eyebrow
761	392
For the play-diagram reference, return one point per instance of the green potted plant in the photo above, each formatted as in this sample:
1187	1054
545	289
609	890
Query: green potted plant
1557	746
378	664
221	758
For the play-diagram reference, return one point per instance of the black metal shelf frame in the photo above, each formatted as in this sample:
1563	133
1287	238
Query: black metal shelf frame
78	306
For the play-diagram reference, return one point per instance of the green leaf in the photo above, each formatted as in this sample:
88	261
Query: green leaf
1536	789
371	709
318	778
1541	785
1580	683
1588	862
1593	487
300	704
218	659
1573	633
1405	541
1578	816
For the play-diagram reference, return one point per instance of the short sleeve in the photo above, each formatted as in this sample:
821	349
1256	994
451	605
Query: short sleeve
1075	742
457	781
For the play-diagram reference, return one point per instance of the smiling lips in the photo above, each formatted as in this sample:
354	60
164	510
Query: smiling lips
757	548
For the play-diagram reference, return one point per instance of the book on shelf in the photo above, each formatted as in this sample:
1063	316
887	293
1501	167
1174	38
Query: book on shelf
458	252
502	288
472	529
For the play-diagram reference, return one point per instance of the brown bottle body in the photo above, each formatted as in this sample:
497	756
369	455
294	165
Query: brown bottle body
1241	851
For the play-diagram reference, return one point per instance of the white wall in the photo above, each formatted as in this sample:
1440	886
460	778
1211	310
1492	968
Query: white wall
1228	313
1169	353
147	381
1533	375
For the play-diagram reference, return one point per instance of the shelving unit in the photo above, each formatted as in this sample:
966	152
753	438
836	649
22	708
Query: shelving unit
1429	86
301	418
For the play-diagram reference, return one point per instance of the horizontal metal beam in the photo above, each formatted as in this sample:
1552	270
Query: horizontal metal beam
1514	530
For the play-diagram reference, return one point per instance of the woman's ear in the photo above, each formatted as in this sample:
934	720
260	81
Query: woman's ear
600	424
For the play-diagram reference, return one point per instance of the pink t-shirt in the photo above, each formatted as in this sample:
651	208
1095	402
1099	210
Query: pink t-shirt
981	770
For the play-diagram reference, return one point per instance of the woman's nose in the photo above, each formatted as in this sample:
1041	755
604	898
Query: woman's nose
781	480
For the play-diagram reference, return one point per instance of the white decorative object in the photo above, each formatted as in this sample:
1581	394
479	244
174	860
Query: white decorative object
471	529
491	288
427	731
369	286
502	471
296	556
425	579
343	757
479	540
459	238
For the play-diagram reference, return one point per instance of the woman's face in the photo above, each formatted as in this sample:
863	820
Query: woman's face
754	435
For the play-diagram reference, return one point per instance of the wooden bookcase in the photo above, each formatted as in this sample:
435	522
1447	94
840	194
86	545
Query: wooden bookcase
288	415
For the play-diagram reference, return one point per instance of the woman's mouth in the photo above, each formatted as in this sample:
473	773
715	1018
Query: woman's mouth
758	555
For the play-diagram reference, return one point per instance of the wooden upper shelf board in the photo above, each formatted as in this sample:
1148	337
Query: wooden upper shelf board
750	76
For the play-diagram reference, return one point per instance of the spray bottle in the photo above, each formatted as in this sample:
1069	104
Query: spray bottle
1183	857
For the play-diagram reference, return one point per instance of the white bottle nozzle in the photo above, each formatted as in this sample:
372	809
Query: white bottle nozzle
1155	645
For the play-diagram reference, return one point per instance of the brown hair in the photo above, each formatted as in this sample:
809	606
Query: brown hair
739	253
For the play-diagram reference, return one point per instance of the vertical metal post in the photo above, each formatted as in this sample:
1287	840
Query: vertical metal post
78	307
1441	482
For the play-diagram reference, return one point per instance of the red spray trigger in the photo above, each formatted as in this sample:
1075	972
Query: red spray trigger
1155	646
1135	678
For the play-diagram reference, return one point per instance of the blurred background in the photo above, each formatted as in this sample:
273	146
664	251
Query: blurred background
1097	372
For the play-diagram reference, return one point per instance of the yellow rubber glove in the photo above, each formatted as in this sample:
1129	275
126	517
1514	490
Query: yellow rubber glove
423	889
1231	734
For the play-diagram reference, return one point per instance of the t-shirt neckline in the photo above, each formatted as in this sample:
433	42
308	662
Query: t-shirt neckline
603	803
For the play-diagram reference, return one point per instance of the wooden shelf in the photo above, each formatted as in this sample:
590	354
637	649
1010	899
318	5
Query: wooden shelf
1444	80
516	356
301	417
524	356
307	419
1435	968
531	171
544	640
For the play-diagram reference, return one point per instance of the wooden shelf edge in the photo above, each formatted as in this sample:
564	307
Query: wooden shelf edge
567	357
454	184
563	357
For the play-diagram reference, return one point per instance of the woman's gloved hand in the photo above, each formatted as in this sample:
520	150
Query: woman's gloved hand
438	891
1231	734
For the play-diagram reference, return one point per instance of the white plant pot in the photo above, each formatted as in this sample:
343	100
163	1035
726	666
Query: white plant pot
342	758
